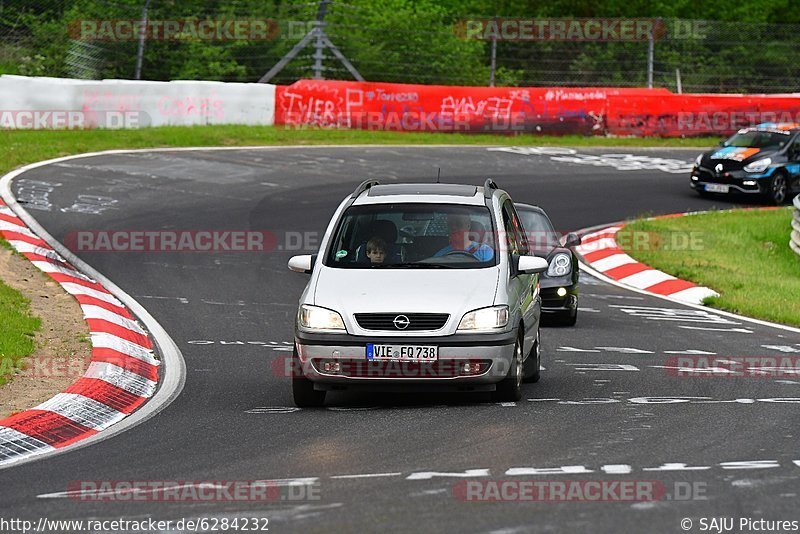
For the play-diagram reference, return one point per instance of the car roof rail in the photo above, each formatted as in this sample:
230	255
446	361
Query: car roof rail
488	188
363	186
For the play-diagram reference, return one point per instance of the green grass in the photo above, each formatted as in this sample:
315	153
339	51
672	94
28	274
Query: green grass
17	328
21	147
743	255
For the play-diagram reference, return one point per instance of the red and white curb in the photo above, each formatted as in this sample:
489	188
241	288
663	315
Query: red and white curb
122	374
601	251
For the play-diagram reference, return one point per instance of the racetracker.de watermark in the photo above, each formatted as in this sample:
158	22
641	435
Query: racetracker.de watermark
704	121
248	240
173	30
733	366
290	367
195	490
175	241
37	119
50	366
552	491
578	29
43	366
326	117
638	240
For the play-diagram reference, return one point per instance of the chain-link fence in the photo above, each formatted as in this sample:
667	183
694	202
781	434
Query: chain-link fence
391	42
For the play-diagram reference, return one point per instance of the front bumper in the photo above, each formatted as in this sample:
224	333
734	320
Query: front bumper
735	180
552	303
493	352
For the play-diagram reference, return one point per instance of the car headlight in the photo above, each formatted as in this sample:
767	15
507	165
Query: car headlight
316	318
560	265
758	166
698	160
485	319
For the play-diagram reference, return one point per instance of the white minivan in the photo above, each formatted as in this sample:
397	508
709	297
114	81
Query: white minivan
419	286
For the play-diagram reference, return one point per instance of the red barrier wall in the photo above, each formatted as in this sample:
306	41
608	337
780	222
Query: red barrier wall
694	114
546	110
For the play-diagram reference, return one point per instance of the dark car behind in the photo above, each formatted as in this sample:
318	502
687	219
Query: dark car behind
559	285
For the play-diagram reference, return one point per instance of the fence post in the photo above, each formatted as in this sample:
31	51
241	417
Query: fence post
319	44
142	37
494	61
794	241
650	52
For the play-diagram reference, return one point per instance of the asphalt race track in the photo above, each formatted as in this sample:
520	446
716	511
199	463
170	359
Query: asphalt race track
607	400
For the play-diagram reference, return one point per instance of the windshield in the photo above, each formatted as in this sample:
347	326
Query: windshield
541	234
758	139
403	236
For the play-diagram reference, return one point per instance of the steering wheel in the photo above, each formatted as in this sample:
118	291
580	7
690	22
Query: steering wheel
461	253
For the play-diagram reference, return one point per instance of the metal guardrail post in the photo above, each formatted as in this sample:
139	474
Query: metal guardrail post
794	241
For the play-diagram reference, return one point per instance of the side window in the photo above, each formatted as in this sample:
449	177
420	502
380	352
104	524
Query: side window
509	234
515	233
794	150
519	231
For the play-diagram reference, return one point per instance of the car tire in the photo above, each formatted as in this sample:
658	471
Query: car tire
778	189
305	396
534	362
565	318
510	388
569	319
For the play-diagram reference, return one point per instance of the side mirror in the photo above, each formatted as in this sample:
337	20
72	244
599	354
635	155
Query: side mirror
532	265
571	240
302	264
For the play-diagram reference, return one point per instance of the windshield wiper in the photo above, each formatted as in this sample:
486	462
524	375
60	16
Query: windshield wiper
413	265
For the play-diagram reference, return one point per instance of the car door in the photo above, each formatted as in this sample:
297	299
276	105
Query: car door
793	165
522	287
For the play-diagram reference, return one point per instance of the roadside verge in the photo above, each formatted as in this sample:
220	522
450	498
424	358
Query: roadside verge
44	340
601	251
122	385
706	247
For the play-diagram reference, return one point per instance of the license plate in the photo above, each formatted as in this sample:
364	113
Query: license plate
717	188
402	353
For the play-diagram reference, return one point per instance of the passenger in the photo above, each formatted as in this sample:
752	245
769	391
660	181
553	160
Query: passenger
376	250
460	239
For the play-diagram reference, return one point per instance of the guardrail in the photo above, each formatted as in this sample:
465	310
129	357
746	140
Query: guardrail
794	242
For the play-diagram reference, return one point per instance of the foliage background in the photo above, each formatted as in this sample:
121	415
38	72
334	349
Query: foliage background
749	46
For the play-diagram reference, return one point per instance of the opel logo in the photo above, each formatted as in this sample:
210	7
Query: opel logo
401	322
718	168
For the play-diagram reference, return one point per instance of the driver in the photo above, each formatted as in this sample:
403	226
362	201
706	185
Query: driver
460	240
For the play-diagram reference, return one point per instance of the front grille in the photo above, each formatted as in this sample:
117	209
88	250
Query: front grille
710	176
416	321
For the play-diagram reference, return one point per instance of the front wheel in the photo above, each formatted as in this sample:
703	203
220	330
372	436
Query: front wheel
561	318
534	362
510	388
305	396
569	318
778	188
